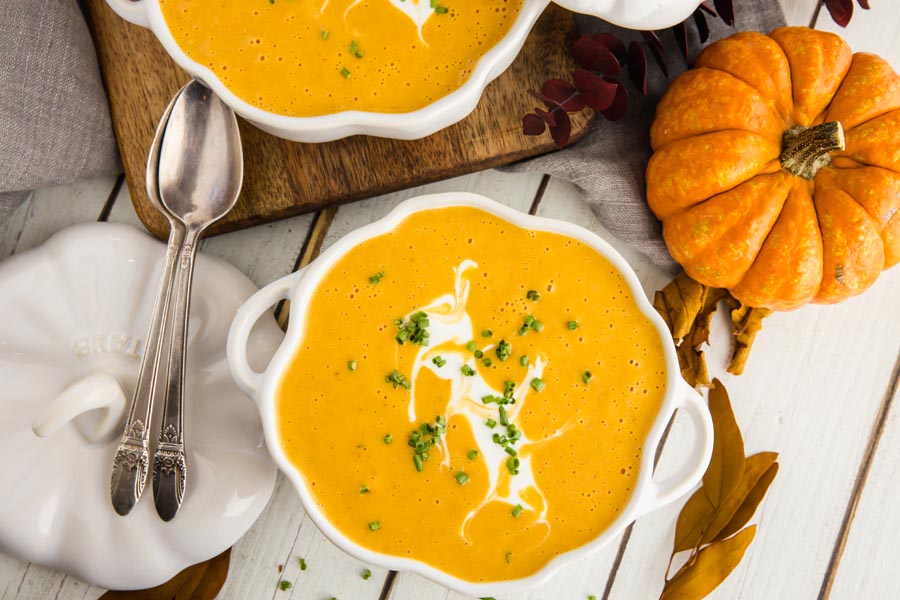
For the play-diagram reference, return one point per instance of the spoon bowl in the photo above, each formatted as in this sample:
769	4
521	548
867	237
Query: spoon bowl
201	165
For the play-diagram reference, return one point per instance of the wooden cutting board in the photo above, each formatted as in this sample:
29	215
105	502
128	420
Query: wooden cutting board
282	178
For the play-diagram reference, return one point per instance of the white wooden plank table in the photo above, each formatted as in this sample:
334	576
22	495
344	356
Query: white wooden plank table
820	388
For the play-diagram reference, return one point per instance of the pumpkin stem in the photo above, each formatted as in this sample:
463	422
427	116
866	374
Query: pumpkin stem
805	150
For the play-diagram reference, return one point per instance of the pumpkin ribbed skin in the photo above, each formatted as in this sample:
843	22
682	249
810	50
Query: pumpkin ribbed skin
732	215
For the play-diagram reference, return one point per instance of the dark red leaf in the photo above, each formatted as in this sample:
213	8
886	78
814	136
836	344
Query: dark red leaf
594	56
841	11
548	117
637	67
681	40
619	106
864	4
563	94
533	124
702	25
596	91
562	130
613	44
725	8
656	49
708	9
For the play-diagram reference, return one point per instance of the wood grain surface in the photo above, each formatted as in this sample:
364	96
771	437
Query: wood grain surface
282	178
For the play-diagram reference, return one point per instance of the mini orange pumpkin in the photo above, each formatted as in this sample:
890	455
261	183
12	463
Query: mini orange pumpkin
776	168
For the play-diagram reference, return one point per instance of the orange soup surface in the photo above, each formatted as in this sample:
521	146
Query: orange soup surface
315	57
472	394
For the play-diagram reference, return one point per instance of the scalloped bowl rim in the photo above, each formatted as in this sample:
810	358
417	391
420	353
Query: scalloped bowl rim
307	280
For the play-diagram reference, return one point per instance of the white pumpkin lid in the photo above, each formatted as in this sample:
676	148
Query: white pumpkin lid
635	14
75	313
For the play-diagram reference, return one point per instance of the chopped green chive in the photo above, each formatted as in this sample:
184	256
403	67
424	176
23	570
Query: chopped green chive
351	364
487	333
523	360
388	439
374	526
415	330
511	451
533	295
508	557
440	362
461	478
362	490
302	564
486	362
592	597
345	73
586	376
471	346
324	34
517	510
504	418
397	379
512	463
441	10
509	388
503	350
417	460
537	384
479	354
376	278
285	585
366	574
572	325
467	371
354	49
473	454
491	423
537	325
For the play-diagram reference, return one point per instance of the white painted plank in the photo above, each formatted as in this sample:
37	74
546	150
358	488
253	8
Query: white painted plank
50	209
874	30
812	390
123	210
796	12
868	567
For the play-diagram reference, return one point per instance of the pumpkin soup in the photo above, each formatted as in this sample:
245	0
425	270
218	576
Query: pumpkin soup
471	394
316	57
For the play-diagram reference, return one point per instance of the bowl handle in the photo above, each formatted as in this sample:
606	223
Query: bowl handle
130	10
690	474
245	318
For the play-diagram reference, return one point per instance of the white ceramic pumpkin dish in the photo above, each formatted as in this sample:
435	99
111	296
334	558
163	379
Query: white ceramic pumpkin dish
299	288
77	310
442	112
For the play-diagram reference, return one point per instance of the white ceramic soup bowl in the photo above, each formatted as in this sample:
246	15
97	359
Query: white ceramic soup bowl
637	14
298	287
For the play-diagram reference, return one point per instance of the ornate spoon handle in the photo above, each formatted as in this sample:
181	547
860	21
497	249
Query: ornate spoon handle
169	467
130	464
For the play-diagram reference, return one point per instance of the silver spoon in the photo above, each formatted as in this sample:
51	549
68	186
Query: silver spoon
201	169
132	458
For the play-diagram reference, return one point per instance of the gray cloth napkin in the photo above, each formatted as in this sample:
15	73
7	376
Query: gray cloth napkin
54	120
608	164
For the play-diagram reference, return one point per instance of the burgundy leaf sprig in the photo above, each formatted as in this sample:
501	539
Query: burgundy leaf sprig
842	10
601	58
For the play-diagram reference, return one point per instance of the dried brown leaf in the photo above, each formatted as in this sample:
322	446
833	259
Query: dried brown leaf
710	567
695	516
687	308
755	467
746	322
726	467
746	510
198	582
